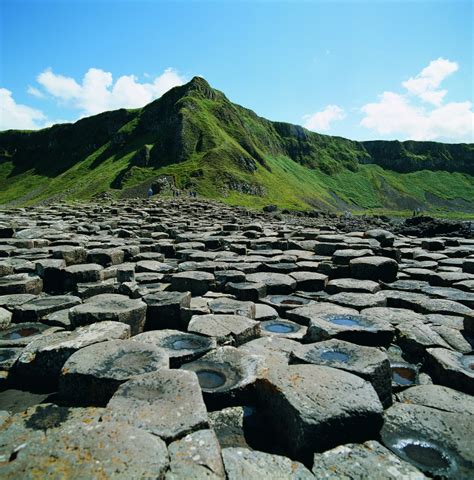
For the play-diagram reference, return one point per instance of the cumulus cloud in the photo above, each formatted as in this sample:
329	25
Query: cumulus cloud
97	92
15	115
321	121
425	84
403	114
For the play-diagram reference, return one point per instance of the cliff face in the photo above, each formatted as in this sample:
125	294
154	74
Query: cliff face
210	144
413	156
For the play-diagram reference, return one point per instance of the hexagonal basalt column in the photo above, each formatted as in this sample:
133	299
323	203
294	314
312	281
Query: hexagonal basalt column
118	308
313	408
371	364
181	347
92	375
167	403
227	376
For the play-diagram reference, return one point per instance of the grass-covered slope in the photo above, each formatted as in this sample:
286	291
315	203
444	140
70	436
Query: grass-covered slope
197	137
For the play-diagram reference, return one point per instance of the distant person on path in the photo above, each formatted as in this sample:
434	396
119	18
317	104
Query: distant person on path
150	192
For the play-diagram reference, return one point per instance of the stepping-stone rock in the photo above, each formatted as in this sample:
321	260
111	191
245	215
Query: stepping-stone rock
21	283
105	256
230	306
153	266
247	291
11	301
282	328
92	375
339	285
36	309
384	237
83	273
394	316
52	272
358	300
438	443
276	283
416	337
22	334
374	268
454	338
371	364
43	358
88	290
439	397
244	463
166	403
452	369
345	255
196	282
181	347
265	312
303	403
304	315
8	357
72	255
361	461
283	303
164	309
227	376
81	449
5	318
195	456
112	307
60	318
236	426
225	329
355	328
309	281
274	350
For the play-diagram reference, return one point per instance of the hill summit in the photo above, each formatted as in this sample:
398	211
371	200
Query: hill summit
194	139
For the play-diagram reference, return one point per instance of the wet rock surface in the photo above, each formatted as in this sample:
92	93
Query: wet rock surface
223	343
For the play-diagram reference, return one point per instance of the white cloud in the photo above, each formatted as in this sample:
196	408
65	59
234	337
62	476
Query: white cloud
35	92
321	121
428	80
98	92
15	115
401	114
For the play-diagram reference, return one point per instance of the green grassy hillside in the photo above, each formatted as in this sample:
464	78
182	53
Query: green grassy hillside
203	142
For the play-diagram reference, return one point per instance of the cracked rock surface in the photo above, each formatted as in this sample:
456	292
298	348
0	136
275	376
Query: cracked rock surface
186	339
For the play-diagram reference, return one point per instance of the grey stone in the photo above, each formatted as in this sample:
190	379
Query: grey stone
451	369
371	364
439	397
79	448
111	307
105	256
304	315
227	376
5	318
181	347
416	337
229	306
304	402
384	237
438	443
244	463
22	334
282	328
167	403
91	375
247	291
309	281
374	268
36	309
358	300
21	283
226	329
355	461
276	283
83	273
352	285
164	309
355	328
199	451
43	358
196	282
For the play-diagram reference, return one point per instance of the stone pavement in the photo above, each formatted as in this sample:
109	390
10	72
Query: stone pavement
186	339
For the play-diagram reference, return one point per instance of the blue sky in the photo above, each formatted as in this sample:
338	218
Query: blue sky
362	70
